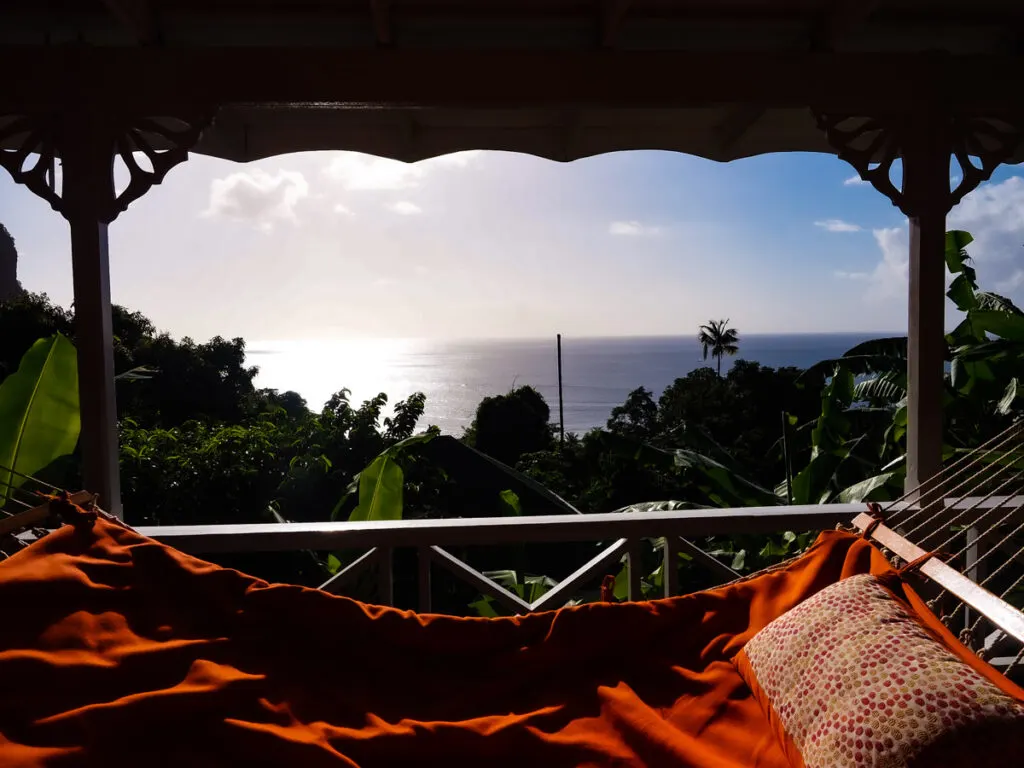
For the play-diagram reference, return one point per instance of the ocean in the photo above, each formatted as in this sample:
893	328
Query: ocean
597	374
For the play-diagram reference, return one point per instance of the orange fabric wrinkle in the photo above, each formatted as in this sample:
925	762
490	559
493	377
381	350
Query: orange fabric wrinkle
125	650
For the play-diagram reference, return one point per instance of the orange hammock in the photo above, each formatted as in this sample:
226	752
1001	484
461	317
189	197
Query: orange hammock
115	648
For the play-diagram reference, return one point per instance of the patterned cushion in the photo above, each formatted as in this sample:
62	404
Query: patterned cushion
853	679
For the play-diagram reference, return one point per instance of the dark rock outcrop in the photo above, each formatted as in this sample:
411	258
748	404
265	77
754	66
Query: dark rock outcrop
9	285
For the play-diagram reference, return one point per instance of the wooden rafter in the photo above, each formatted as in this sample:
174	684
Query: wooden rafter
138	17
380	10
844	17
613	12
155	79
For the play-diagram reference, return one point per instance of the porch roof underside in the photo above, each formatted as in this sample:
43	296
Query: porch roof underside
560	79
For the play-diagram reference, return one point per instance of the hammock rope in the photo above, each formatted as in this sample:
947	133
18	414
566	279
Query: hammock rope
974	509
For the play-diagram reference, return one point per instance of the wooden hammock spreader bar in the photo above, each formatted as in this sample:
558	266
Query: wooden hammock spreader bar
996	610
33	517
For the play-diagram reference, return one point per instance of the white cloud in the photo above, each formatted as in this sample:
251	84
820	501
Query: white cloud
888	280
994	214
405	208
343	210
632	228
837	225
257	196
854	180
365	172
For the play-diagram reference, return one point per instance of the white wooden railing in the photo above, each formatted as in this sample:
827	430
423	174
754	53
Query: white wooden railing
379	540
429	538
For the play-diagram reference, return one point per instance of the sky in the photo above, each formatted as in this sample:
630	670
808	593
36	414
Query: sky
336	245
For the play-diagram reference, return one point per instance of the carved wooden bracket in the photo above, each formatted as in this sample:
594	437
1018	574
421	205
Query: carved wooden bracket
32	145
20	136
872	145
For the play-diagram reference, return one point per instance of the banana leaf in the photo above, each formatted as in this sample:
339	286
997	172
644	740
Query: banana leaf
1005	325
867	490
890	387
1009	396
956	241
993	301
39	414
874	356
380	491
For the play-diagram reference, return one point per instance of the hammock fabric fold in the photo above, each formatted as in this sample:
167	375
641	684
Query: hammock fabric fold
116	649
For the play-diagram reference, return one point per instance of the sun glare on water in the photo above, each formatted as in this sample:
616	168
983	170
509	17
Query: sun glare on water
318	369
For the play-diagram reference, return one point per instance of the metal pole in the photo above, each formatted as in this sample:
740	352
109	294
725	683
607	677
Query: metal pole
561	407
786	460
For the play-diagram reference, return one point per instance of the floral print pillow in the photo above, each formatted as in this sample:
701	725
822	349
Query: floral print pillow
854	679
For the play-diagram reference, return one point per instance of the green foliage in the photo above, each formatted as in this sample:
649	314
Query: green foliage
39	415
511	501
528	588
743	554
164	383
25	319
297	467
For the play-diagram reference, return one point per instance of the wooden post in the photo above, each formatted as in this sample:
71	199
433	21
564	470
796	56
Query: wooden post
423	563
926	160
925	141
86	138
88	193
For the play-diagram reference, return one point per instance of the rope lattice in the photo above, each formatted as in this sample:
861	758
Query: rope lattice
972	512
28	504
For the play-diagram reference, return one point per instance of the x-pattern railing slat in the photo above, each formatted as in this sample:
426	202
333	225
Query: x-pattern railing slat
381	557
430	537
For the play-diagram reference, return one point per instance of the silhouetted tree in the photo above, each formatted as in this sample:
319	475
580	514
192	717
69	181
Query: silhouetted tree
637	417
718	339
187	380
507	426
24	319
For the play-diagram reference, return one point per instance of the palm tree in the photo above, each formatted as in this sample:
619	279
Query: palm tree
719	339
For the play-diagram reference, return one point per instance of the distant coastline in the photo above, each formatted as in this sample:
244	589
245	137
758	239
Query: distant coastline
456	374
